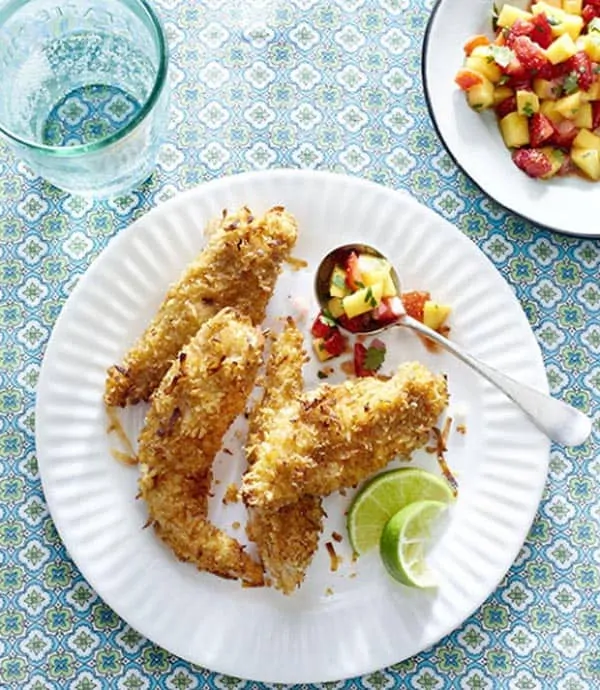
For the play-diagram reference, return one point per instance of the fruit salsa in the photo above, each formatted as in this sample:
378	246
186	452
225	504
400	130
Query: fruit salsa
541	76
364	297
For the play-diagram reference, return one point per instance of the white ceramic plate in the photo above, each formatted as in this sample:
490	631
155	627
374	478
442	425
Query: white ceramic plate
339	624
569	205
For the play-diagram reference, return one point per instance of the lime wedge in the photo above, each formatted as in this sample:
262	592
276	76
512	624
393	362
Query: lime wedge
386	494
404	542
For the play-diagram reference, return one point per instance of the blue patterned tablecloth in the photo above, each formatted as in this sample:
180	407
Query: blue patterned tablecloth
314	84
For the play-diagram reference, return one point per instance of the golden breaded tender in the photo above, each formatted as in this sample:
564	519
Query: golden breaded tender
200	396
237	268
337	436
286	538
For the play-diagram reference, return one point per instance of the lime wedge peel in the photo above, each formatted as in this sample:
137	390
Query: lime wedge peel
386	494
404	542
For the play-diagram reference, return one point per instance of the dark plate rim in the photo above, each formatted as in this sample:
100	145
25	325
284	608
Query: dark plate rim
432	117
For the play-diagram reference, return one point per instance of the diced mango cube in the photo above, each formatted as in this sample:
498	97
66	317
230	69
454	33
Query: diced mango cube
584	117
556	158
335	307
586	140
509	15
362	300
570	25
501	93
592	94
591	45
372	269
434	314
588	161
561	22
545	89
547	8
337	283
482	65
572	6
389	288
320	350
481	96
561	49
568	106
527	103
548	108
515	130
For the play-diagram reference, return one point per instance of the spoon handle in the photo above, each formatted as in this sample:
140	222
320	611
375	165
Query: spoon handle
560	422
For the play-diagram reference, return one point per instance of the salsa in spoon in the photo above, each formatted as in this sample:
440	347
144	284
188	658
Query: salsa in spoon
559	421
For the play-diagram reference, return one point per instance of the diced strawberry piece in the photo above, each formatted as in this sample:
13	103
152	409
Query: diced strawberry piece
352	271
530	55
519	28
414	303
564	133
561	70
595	114
533	162
581	64
567	166
589	12
360	356
335	344
356	324
508	105
515	70
467	78
384	313
388	310
542	31
368	360
541	129
320	327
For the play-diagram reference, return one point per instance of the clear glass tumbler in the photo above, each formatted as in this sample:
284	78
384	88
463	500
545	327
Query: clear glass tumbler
83	90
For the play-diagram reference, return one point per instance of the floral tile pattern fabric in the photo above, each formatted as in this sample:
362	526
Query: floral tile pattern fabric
307	84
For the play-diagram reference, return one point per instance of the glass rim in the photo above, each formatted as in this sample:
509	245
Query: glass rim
99	144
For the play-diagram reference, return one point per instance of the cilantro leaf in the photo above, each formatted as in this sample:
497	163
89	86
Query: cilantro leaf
570	84
375	356
339	281
327	318
502	55
594	25
495	15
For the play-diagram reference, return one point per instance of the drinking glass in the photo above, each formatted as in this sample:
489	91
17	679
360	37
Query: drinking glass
83	90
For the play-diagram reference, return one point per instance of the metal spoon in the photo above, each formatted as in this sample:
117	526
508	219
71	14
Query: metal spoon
560	422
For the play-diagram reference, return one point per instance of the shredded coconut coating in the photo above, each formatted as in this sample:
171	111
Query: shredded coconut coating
238	268
287	538
337	436
202	393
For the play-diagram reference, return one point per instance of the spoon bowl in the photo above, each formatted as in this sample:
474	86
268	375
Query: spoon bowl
338	256
559	421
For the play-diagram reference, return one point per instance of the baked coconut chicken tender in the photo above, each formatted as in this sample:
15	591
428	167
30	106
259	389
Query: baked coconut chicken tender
287	538
202	393
238	268
339	435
